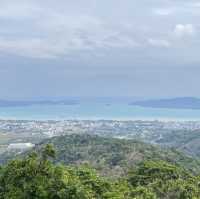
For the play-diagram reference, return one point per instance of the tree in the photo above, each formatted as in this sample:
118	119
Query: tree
36	177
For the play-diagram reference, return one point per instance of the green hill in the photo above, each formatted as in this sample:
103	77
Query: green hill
183	140
113	156
37	177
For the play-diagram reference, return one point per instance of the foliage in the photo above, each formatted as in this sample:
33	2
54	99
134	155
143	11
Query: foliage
114	156
163	180
37	177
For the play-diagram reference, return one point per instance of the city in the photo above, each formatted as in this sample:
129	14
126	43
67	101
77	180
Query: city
24	134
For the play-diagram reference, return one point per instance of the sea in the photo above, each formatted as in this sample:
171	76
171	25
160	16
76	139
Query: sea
96	111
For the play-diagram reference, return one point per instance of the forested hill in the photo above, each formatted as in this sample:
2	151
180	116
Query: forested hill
149	172
36	177
113	156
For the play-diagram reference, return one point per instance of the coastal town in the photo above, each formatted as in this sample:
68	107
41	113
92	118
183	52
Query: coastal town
23	134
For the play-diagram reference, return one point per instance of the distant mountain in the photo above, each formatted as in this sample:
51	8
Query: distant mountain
10	103
174	103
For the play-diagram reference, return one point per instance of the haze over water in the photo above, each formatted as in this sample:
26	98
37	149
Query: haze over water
84	111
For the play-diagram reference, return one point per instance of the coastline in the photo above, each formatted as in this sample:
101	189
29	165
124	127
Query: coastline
101	119
96	111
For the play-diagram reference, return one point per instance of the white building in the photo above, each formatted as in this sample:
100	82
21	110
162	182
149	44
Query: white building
20	146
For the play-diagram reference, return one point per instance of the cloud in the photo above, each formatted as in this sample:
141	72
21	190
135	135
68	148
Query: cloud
159	43
195	4
45	29
76	44
184	30
62	42
54	34
35	48
19	9
163	11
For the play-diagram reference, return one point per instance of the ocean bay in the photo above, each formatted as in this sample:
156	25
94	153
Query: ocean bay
96	111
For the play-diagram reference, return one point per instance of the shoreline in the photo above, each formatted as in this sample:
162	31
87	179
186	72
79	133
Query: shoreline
147	119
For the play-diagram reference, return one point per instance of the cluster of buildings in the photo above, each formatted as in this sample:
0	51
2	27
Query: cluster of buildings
25	134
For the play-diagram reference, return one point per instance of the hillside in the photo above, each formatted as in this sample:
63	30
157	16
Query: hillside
36	176
182	140
111	155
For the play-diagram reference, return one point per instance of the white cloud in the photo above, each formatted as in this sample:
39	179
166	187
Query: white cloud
163	11
184	30
58	34
19	9
35	48
65	42
48	29
159	43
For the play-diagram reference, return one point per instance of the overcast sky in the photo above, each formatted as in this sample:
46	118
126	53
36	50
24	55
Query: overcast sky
146	48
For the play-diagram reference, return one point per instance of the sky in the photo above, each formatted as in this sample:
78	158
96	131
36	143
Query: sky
105	48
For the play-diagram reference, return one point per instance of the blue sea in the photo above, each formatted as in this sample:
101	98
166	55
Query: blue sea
96	111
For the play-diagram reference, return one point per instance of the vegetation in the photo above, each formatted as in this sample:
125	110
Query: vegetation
37	177
113	156
186	141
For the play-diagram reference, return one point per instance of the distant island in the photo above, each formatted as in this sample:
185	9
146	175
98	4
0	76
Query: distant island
173	103
14	103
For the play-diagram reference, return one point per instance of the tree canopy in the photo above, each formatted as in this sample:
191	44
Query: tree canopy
37	177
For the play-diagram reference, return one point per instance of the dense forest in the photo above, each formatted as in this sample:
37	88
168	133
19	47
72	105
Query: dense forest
92	167
114	156
36	176
108	155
